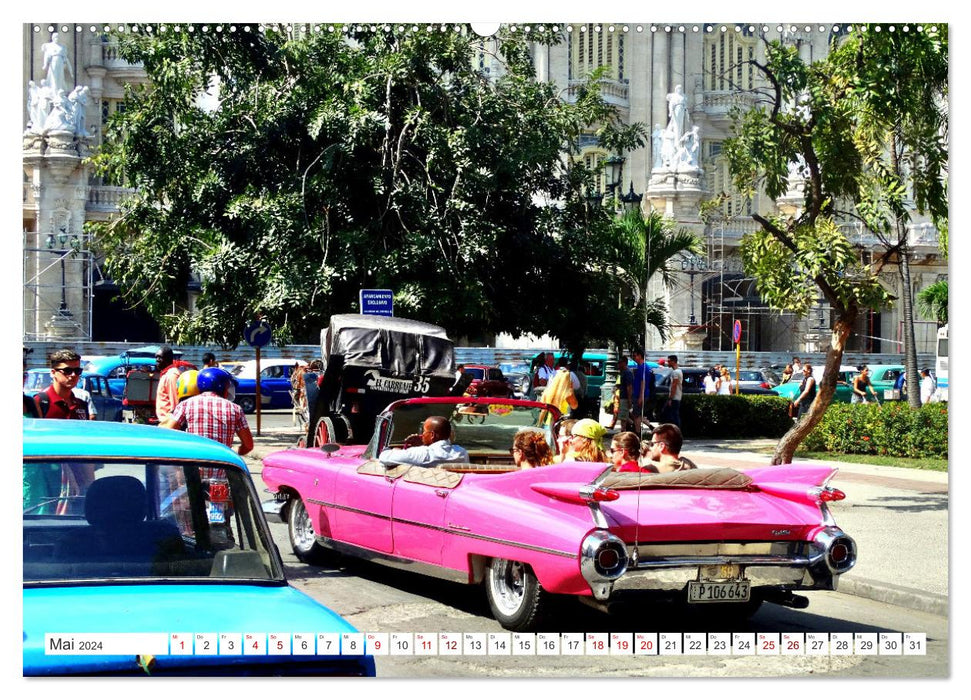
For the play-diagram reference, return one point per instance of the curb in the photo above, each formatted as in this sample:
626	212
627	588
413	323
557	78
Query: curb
911	598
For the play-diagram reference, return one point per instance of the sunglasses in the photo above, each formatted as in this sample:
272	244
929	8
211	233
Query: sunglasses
67	371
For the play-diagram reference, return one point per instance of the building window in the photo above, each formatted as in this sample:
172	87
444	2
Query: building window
593	159
720	181
591	49
725	64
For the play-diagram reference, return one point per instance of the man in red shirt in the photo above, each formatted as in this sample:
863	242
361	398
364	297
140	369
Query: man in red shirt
58	400
167	395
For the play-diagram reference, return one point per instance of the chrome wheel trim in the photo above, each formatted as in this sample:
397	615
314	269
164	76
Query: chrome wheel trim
301	528
506	579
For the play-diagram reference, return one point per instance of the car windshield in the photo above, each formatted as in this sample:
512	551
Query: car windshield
476	372
749	376
508	368
483	428
141	520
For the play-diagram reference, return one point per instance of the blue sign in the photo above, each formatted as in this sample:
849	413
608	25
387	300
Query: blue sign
377	302
737	332
258	334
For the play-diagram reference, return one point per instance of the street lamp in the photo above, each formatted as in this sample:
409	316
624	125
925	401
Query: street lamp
63	238
693	265
631	200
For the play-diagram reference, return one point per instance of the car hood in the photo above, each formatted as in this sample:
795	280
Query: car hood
162	609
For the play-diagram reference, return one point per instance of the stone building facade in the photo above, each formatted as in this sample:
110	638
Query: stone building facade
650	73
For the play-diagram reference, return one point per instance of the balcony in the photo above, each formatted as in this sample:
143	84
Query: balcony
105	199
614	92
718	104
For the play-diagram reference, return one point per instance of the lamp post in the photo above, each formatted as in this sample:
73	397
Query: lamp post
693	265
63	317
629	201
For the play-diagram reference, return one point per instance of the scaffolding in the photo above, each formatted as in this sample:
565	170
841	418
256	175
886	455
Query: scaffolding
732	296
58	286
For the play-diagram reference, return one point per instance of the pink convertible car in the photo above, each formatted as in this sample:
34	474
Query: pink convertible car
712	536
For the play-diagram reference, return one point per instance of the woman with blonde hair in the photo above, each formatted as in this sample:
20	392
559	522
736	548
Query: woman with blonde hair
559	393
530	449
587	442
725	387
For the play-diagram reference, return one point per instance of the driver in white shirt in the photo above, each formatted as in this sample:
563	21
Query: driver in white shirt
430	448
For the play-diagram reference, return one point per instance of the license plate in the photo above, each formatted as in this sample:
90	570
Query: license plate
217	512
719	591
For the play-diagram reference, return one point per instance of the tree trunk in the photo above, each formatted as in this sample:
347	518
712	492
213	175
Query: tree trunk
910	345
825	389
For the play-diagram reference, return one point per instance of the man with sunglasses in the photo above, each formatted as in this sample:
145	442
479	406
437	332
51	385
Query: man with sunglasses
59	400
664	450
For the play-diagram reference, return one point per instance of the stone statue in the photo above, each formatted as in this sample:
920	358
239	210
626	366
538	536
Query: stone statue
60	118
56	64
78	100
668	148
677	113
688	152
657	144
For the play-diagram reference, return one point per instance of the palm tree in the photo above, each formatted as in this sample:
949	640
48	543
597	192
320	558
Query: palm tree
932	302
644	245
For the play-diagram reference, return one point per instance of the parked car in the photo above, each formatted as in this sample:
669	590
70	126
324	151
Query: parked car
517	373
762	378
370	361
128	528
274	383
487	381
576	528
117	367
107	405
884	378
844	389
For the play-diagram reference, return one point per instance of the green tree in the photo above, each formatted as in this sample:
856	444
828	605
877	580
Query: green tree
356	158
804	121
897	85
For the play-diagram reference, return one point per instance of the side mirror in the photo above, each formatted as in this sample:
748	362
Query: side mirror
330	448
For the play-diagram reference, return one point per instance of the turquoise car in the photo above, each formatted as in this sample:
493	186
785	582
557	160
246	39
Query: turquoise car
844	390
145	551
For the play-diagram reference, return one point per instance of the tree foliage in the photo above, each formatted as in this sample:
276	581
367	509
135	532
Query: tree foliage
356	158
834	127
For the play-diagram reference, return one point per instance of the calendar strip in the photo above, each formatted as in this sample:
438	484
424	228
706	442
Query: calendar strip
491	644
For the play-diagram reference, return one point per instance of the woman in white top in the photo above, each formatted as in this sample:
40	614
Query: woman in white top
711	382
725	383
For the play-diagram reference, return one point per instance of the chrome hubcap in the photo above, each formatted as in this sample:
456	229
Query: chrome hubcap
506	581
302	529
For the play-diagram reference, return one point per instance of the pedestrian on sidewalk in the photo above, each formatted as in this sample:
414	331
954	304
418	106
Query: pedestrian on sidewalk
862	384
672	410
807	392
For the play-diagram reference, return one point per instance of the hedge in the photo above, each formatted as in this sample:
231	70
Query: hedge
892	428
742	416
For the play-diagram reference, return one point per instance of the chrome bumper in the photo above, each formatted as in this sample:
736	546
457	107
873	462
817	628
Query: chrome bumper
670	567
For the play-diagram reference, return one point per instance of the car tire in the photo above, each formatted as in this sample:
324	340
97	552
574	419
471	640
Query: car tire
303	539
247	403
515	597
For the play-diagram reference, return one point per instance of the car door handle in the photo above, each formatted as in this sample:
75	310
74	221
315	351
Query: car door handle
441	493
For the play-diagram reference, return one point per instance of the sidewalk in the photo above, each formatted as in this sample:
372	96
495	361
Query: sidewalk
898	517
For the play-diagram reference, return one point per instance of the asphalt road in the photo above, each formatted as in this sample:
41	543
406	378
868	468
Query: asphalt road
378	599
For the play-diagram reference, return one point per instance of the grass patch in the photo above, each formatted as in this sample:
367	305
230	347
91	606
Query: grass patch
934	464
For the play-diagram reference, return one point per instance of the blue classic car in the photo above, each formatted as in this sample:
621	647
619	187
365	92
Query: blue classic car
274	383
151	532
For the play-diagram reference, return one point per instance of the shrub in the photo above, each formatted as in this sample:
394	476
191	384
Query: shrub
893	429
742	416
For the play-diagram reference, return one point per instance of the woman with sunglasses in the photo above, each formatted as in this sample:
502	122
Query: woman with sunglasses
625	450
